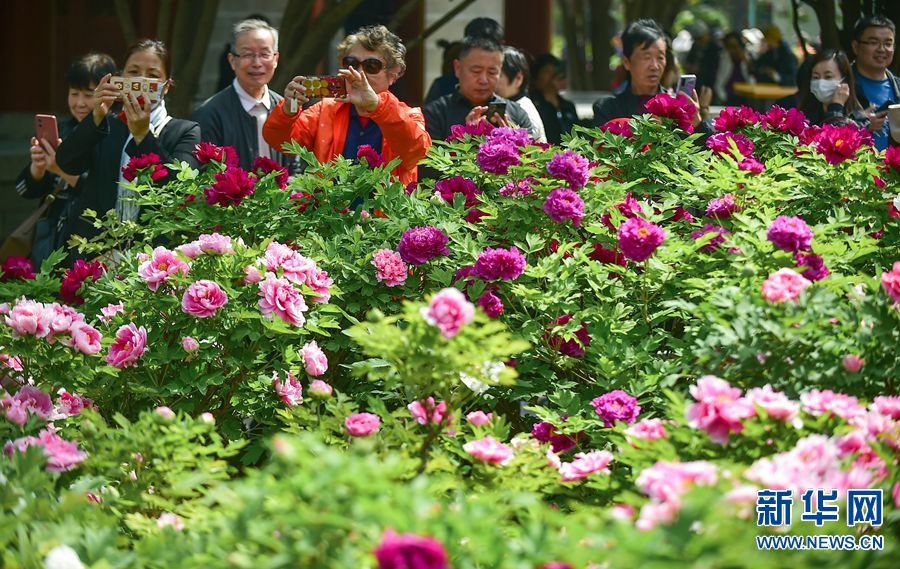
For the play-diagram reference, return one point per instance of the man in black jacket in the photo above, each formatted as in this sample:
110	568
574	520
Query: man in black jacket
234	116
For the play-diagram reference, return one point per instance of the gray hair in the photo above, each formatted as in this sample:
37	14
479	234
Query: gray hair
251	25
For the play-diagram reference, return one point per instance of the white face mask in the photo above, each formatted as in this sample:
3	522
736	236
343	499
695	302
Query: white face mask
823	89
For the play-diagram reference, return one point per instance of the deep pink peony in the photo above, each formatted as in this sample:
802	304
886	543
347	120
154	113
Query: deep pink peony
389	267
129	345
371	157
639	238
69	404
479	418
499	263
628	208
76	277
890	281
546	433
586	464
449	311
61	455
612	256
203	298
427	411
460	131
518	188
790	234
491	304
719	410
230	187
189	344
721	234
206	151
149	163
160	266
852	363
362	424
489	450
722	208
791	120
733	118
410	551
752	165
616	406
29	400
619	127
496	155
314	359
679	108
571	167
573	347
815	269
562	204
16	268
421	244
647	429
449	187
721	144
892	157
290	391
279	297
839	143
319	388
515	136
784	285
264	165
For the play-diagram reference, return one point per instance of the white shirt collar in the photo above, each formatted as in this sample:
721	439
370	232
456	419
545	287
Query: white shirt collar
249	102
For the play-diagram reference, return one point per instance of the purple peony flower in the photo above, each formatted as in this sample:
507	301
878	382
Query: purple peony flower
722	208
790	234
517	136
421	244
506	264
571	167
714	243
815	266
562	204
721	144
639	238
496	155
616	406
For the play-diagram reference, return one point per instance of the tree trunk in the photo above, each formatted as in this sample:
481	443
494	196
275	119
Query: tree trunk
573	24
602	30
189	45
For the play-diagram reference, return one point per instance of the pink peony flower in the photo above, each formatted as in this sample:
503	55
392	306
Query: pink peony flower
571	167
784	285
110	310
839	143
206	151
639	238
888	406
15	267
61	455
362	424
790	234
479	418
290	391
320	389
647	429
389	267
816	402
890	281
203	298
585	464
215	244
230	187
616	406
421	244
160	266
628	208
723	207
426	411
719	409
679	108
410	551
190	250
721	144
489	450
76	277
562	204
499	263
29	318
165	412
314	359
129	345
253	275
69	404
148	164
168	519
460	131
752	165
279	297
263	165
852	363
449	311
491	304
573	347
791	120
190	344
28	400
713	244
733	118
775	403
85	338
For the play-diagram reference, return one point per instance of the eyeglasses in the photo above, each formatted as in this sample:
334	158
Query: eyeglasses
370	65
888	45
264	57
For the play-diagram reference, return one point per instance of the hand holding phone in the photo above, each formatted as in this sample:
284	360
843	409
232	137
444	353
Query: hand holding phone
45	127
331	86
686	84
884	107
495	113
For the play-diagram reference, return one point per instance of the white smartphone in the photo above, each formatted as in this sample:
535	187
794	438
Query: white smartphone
687	84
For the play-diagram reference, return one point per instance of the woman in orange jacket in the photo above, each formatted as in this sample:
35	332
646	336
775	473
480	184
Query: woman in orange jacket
368	115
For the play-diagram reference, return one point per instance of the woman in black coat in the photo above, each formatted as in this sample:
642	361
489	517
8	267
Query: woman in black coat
106	142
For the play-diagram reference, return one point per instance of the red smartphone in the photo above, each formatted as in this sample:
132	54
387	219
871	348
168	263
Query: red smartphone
45	127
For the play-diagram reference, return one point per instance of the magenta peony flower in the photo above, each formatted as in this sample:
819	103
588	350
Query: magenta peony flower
892	157
421	244
639	238
148	164
314	359
815	266
389	267
279	297
85	338
619	127
775	403
515	136
499	263
489	450
362	424
203	298
889	406
70	404
320	389
647	429
230	187
206	151
546	433
612	256
496	155
719	409
491	304
410	551
290	391
714	243
890	281
783	285
61	455
721	143
449	187
839	143
628	208
368	155
460	131
752	165
76	277
722	208
574	347
790	234
562	204
679	108
16	268
791	120
264	165
426	411
733	118
616	406
129	345
29	400
586	464
518	188
449	311
189	344
479	418
571	167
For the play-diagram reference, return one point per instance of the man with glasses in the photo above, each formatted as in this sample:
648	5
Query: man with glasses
372	59
235	115
873	44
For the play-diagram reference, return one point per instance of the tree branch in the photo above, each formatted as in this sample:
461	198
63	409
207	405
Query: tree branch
400	15
439	24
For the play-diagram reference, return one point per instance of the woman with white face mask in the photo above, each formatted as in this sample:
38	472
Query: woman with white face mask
830	93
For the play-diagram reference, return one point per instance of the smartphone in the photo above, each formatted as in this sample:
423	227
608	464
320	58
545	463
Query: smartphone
45	127
147	87
325	86
687	84
884	107
495	109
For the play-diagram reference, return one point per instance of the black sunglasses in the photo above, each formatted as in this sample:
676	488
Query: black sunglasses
370	65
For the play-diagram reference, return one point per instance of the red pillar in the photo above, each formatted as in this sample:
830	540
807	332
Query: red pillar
528	24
